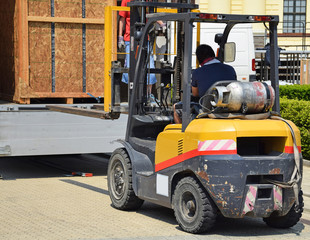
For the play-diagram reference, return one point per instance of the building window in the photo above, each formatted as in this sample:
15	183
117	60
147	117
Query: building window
294	16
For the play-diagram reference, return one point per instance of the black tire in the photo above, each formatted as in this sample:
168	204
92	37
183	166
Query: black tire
194	210
290	219
120	182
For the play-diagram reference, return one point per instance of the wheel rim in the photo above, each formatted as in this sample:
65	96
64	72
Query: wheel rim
188	205
118	179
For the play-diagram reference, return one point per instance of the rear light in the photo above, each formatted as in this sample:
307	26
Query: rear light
209	16
260	18
253	64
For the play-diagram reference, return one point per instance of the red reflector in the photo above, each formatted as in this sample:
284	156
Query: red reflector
253	64
208	16
262	18
290	149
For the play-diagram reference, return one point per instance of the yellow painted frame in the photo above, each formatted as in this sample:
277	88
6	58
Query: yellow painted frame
108	52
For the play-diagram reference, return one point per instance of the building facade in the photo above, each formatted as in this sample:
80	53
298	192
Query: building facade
294	26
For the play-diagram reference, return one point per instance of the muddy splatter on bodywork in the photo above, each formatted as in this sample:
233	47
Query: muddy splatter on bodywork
203	175
275	171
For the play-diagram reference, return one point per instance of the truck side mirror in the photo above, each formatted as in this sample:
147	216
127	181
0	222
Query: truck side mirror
218	38
230	52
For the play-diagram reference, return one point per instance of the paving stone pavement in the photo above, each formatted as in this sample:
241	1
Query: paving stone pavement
39	201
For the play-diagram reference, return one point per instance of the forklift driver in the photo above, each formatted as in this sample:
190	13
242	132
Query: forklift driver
210	72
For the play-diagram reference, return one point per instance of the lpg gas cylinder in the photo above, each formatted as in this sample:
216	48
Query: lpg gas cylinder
244	97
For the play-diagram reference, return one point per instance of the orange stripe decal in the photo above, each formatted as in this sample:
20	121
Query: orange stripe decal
175	160
194	153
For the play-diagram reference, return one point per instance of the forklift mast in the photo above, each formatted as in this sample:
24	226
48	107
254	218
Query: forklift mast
139	53
138	19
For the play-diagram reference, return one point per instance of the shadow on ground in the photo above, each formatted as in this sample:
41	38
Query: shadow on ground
52	166
246	227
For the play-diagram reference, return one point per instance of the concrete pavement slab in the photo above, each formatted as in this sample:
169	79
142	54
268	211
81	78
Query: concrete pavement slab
38	202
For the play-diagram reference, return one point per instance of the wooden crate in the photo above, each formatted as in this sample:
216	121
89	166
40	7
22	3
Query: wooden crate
52	49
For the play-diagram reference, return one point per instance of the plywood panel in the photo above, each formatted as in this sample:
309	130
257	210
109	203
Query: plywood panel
68	54
39	8
40	56
95	8
68	8
95	58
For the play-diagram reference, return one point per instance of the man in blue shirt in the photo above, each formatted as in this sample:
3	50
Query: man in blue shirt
210	72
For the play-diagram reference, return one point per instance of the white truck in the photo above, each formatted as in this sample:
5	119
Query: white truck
241	35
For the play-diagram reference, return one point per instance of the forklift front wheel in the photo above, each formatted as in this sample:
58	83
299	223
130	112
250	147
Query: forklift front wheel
194	210
120	182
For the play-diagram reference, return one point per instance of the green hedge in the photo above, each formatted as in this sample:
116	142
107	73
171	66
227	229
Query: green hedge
298	111
300	92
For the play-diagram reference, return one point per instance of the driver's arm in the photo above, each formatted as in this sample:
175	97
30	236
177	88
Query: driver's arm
195	91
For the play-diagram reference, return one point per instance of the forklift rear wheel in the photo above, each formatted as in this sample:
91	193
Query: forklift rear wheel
290	219
120	182
194	210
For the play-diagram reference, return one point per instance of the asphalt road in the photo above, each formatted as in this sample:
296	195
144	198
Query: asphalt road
40	199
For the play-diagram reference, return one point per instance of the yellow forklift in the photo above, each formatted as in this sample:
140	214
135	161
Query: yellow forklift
236	158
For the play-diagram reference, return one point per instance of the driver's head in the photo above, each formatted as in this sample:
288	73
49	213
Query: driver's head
203	52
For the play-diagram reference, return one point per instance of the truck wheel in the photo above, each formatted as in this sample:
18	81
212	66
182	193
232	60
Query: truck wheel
120	182
194	210
290	219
